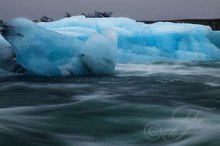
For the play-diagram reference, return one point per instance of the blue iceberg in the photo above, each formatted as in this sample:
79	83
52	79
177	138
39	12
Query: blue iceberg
139	42
82	46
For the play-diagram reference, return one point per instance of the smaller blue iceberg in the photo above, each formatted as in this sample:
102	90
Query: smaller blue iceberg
84	46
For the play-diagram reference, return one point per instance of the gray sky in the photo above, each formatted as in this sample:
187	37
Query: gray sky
136	9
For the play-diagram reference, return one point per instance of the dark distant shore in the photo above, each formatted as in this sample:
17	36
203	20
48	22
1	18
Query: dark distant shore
213	23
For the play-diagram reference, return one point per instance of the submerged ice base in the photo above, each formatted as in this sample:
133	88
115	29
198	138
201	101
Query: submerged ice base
81	46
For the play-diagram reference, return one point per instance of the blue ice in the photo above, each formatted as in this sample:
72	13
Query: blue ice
139	42
81	46
45	52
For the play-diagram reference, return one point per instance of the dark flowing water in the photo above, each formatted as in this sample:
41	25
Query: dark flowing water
158	104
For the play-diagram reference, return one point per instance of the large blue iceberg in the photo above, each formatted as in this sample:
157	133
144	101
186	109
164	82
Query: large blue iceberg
82	46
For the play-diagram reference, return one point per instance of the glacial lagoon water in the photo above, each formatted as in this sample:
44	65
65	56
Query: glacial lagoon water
166	103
